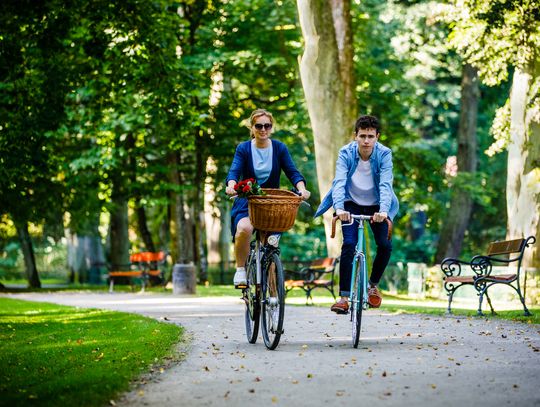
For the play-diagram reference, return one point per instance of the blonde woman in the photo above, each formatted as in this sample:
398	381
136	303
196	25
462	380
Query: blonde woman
263	159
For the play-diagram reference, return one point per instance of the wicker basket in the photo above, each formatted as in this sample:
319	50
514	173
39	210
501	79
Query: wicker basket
275	211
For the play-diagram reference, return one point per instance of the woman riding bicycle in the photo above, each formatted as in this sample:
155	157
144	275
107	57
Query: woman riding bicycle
262	159
363	186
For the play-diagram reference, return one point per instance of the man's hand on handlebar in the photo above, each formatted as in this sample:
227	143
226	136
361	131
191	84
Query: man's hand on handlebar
379	216
344	216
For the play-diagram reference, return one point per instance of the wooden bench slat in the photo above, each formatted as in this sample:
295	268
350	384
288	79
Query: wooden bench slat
506	247
459	279
125	273
501	277
322	282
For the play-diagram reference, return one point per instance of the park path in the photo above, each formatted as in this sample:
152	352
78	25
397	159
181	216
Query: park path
413	360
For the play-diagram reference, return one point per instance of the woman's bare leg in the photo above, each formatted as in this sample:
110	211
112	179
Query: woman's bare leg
244	230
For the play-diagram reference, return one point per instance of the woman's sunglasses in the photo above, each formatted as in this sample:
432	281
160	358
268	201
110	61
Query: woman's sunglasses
267	126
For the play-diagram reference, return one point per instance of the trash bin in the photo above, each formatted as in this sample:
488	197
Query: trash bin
415	279
183	278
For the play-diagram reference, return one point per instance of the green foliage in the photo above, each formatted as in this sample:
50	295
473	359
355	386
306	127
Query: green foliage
97	99
32	72
53	354
496	35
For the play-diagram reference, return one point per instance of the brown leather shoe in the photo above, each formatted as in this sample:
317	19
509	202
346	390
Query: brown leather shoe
340	307
374	297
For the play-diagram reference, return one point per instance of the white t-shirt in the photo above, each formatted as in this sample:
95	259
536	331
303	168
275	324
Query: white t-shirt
362	189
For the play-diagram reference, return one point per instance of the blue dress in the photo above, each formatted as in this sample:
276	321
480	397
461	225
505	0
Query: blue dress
242	168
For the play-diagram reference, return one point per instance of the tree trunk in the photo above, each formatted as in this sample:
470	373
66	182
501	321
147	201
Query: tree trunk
181	228
523	180
199	227
459	213
142	224
119	236
28	254
326	69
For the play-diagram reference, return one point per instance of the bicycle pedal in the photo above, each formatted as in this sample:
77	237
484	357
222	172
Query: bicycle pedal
241	286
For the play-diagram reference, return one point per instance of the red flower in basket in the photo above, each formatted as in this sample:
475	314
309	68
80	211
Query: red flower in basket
247	188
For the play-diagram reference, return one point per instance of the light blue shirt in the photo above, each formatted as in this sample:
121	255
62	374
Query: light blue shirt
262	162
381	170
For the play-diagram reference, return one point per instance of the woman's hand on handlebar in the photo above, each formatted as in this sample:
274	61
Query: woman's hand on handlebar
379	216
305	194
344	216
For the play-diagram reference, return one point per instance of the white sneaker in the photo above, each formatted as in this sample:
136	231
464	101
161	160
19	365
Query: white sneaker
240	278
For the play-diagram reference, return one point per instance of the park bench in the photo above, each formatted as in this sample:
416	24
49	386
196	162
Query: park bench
144	266
508	252
318	274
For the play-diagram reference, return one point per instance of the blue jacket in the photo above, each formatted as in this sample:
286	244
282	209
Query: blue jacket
381	169
242	168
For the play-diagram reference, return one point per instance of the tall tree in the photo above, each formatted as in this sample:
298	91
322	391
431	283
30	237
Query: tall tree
461	204
34	80
327	73
494	37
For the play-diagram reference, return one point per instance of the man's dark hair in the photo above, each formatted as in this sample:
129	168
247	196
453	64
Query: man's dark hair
367	122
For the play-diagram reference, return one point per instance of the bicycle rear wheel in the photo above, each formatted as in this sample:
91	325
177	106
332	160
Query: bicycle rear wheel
251	296
273	301
357	301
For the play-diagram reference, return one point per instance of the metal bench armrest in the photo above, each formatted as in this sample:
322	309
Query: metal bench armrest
452	267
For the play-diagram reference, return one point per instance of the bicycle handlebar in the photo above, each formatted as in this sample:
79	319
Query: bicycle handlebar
361	218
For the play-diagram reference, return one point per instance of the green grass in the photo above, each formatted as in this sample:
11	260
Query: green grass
54	355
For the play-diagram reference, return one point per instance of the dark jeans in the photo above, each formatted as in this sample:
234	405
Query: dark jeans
350	239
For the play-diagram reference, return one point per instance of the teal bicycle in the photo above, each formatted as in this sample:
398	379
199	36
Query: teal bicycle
359	278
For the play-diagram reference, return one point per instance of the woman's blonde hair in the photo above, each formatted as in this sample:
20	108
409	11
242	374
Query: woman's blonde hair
257	113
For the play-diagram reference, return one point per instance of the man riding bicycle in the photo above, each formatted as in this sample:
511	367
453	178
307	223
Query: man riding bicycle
363	186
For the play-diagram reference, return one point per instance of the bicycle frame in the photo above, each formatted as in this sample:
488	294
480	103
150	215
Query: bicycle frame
359	254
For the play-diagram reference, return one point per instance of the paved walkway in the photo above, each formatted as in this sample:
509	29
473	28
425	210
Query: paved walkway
411	360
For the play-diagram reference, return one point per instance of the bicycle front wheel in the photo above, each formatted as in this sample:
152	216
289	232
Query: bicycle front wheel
273	301
252	299
357	301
